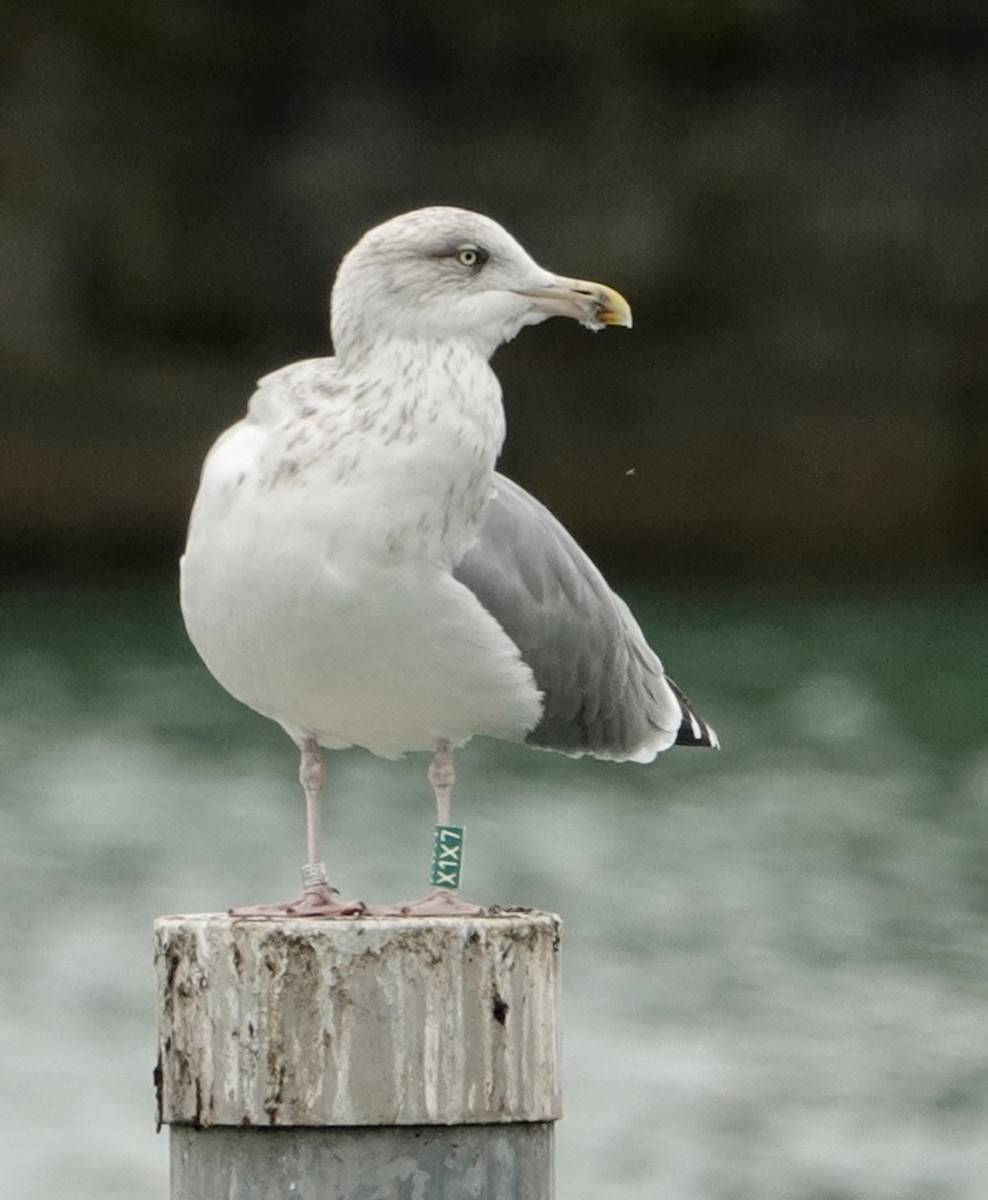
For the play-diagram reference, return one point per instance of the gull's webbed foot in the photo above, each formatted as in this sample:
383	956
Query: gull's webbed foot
439	902
318	900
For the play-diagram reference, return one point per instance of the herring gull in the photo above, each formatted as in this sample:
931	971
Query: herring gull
356	569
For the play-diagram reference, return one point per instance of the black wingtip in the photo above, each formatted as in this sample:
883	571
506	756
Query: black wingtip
693	731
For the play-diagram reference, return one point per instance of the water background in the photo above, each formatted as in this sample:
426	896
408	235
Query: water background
776	957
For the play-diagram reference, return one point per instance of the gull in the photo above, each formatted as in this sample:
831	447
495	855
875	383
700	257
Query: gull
357	570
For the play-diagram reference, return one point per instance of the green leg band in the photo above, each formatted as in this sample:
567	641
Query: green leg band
447	856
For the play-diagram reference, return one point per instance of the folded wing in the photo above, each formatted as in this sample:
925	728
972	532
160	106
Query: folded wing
605	691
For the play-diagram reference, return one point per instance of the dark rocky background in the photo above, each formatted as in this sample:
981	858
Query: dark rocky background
793	196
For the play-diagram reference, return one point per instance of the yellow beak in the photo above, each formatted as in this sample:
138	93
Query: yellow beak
592	304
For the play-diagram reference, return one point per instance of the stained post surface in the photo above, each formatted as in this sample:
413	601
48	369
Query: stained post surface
327	1059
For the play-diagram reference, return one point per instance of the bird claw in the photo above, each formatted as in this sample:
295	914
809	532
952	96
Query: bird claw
320	900
440	902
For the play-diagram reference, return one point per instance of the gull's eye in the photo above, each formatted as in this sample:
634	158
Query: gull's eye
472	257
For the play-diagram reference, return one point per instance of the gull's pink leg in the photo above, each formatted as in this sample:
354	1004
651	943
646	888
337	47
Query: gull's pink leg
318	898
442	777
312	776
439	901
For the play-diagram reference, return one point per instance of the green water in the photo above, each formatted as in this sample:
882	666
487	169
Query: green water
776	957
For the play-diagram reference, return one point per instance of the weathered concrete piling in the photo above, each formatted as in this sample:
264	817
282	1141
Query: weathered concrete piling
360	1057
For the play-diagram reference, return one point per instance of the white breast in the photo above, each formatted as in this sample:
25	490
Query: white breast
316	582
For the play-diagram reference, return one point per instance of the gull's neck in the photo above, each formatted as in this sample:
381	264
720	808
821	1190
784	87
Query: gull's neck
357	355
443	382
435	408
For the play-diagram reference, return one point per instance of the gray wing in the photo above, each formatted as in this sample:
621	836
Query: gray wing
605	692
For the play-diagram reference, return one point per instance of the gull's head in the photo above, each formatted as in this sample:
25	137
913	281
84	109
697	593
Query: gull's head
446	274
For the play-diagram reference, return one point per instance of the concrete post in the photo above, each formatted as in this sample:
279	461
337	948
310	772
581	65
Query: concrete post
368	1057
